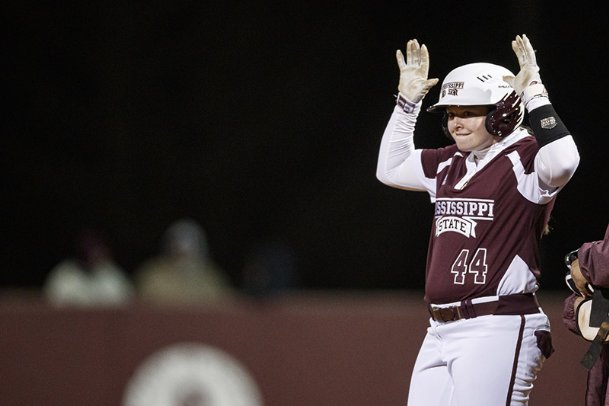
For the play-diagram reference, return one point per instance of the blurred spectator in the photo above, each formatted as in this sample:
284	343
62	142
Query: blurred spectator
90	277
183	272
270	269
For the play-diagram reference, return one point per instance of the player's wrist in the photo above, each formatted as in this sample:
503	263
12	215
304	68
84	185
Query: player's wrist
404	104
534	95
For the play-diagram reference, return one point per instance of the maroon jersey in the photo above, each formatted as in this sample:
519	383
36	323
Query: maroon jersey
485	236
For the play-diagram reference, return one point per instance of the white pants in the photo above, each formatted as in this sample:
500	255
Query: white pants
484	361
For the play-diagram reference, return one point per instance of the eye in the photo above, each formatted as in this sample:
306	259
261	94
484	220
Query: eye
450	115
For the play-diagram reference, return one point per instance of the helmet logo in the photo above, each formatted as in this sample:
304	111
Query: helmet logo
484	78
451	88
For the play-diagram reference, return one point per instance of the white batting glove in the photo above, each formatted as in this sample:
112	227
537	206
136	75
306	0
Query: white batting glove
414	84
527	82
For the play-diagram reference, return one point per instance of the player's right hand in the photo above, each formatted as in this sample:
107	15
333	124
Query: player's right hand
579	279
527	82
414	83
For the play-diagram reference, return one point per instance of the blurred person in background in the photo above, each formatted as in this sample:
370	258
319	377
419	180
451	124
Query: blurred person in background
183	271
270	269
90	277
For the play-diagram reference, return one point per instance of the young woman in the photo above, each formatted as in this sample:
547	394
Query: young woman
493	191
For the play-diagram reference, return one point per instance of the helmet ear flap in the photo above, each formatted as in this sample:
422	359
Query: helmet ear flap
444	124
505	117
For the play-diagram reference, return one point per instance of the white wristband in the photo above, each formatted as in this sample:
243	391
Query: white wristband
532	92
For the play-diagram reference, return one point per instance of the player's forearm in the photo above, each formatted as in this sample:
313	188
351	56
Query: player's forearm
557	161
558	157
397	147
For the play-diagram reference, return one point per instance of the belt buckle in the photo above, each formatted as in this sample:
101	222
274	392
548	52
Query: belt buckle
455	313
446	314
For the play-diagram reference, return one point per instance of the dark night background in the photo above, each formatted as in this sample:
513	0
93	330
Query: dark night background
262	120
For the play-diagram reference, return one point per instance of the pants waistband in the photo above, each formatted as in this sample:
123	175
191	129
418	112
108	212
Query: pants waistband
525	303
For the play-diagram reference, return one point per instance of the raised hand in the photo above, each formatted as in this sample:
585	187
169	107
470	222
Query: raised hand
414	83
529	70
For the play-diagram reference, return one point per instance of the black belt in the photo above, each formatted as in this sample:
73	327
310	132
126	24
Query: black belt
525	303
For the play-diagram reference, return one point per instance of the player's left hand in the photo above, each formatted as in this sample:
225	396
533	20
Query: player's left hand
578	278
414	83
529	70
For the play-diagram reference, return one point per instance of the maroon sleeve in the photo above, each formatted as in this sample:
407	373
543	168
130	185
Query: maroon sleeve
569	315
431	158
594	261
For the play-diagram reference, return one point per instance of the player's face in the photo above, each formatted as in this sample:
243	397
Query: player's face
466	127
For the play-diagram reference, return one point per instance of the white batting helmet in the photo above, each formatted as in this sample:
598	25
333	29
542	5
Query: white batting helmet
482	84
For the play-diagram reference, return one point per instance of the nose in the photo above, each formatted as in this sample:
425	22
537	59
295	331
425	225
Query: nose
457	122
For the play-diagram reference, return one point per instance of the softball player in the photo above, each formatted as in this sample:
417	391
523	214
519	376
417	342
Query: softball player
493	190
